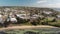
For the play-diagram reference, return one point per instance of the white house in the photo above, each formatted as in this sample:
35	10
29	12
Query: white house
47	12
22	11
0	15
58	16
23	16
13	20
7	9
2	18
34	16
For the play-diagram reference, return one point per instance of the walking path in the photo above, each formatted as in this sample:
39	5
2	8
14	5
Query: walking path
27	27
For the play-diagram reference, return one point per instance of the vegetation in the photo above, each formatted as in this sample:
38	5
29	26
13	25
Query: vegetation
34	31
42	19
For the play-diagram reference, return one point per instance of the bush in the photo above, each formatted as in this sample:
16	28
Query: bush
35	22
31	32
55	24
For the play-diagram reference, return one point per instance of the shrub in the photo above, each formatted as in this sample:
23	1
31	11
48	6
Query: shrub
31	32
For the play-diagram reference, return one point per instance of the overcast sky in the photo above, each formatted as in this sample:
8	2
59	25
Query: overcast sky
33	3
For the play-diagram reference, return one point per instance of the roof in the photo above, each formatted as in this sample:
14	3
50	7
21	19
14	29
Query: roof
47	12
13	19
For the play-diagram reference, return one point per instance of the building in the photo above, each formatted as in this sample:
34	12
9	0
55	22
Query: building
47	12
23	16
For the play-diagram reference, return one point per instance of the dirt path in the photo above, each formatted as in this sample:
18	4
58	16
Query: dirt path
27	27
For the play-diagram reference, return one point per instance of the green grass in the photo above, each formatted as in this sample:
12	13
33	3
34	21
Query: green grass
39	30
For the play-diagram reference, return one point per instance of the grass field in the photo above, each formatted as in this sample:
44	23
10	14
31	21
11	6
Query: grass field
36	31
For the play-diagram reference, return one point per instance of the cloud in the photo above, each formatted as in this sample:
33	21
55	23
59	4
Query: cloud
47	3
54	5
57	5
41	1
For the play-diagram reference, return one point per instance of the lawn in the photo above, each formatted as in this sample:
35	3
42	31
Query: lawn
36	31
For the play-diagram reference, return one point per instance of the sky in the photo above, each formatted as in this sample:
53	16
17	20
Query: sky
31	3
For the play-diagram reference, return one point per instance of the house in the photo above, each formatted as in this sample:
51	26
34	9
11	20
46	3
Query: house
58	16
34	16
7	9
2	18
12	19
23	16
47	12
41	17
13	10
22	11
0	15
